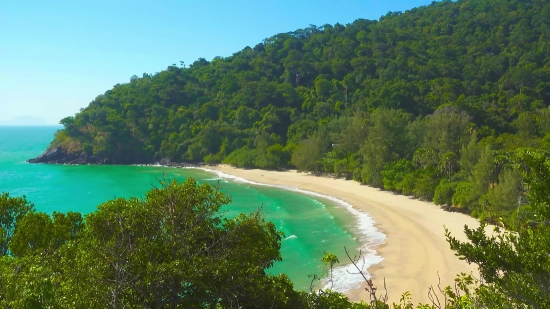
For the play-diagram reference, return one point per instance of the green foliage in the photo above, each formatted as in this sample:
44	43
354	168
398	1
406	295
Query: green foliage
447	130
514	265
385	143
465	195
448	164
243	157
453	87
469	155
426	183
444	193
506	196
462	63
394	174
483	173
172	248
12	209
308	155
434	103
212	159
34	232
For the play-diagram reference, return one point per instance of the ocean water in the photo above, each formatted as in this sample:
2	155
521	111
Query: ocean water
312	223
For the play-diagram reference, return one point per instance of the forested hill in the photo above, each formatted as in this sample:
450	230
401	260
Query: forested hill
436	98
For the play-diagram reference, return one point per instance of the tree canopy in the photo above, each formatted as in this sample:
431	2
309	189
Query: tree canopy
171	249
487	58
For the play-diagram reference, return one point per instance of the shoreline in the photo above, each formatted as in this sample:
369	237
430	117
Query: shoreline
366	233
414	251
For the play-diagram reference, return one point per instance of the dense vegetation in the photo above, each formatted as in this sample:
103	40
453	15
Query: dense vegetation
448	103
171	249
174	249
430	103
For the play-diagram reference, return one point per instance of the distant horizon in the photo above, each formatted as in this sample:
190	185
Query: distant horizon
26	121
30	125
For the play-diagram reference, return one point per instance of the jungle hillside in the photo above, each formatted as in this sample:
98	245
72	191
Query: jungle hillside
433	103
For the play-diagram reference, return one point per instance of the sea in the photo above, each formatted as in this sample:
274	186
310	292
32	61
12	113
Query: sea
312	224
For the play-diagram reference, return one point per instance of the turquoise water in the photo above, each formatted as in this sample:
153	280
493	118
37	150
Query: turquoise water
311	225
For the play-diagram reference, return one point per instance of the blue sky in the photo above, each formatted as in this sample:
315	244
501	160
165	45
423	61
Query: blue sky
57	56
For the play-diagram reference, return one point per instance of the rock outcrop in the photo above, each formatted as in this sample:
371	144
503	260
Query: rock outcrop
58	155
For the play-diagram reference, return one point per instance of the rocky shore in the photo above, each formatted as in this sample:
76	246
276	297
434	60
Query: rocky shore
58	155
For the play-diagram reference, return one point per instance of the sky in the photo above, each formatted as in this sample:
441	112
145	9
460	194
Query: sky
57	56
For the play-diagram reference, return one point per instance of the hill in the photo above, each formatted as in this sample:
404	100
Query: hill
432	103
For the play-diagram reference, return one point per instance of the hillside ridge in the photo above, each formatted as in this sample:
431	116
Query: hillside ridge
432	102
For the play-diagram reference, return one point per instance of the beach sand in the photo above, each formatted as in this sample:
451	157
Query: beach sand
415	249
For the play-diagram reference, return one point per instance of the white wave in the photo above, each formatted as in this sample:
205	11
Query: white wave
216	179
151	165
290	237
345	277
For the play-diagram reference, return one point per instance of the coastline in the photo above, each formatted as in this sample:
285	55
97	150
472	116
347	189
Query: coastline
346	278
414	252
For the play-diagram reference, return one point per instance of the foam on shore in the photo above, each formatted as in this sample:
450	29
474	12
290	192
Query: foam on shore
345	276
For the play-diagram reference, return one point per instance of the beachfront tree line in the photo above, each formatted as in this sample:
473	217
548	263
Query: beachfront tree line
175	249
442	158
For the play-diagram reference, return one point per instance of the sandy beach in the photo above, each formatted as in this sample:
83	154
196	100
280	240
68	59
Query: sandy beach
415	249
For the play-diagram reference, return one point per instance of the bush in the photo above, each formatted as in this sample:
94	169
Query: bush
394	173
212	159
243	158
464	196
268	161
444	193
407	185
280	153
425	185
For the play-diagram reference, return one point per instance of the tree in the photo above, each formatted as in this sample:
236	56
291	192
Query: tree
348	132
385	143
451	78
526	124
395	172
308	155
426	183
483	173
34	232
472	75
507	195
447	164
469	156
444	192
172	249
515	267
424	158
446	131
12	209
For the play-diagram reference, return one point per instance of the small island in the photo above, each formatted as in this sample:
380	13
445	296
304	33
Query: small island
24	121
